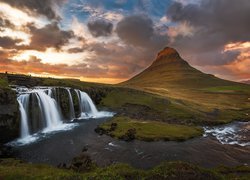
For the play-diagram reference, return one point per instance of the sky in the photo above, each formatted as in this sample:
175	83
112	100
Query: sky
110	41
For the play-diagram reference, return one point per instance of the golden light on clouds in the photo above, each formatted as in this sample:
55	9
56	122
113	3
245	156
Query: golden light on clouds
77	40
237	46
19	17
103	80
53	56
240	66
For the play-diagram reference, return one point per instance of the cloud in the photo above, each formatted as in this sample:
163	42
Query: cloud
100	27
35	65
138	30
215	23
38	7
9	43
5	23
48	36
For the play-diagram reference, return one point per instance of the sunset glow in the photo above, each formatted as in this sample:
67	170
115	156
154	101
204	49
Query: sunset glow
110	41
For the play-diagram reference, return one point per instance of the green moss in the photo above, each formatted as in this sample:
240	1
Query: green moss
151	130
4	83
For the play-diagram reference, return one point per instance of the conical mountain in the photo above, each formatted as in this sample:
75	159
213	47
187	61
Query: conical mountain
170	70
192	94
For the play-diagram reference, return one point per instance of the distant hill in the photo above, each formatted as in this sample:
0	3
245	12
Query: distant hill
170	70
172	77
246	82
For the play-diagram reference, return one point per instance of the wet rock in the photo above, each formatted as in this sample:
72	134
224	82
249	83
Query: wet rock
100	130
9	116
113	126
82	163
62	166
6	151
85	148
130	135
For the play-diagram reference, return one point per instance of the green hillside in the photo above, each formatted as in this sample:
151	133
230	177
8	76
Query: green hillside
172	77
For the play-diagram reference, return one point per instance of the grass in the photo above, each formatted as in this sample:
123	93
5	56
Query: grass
120	96
151	130
148	106
159	107
16	169
4	83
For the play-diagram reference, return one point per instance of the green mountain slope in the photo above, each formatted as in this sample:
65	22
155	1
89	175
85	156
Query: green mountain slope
170	70
172	77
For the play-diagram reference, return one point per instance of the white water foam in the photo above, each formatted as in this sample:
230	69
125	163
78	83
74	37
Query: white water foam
41	135
232	134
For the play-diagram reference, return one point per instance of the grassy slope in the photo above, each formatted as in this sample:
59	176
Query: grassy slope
14	169
3	83
151	130
171	77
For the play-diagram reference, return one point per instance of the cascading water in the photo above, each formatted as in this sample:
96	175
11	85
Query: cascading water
49	109
40	109
23	104
86	105
71	105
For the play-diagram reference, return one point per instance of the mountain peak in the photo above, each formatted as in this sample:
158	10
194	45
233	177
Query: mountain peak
168	56
169	70
168	52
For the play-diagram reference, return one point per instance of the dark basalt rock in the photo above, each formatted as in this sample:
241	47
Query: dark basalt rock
82	163
113	126
85	148
130	135
9	116
6	151
100	130
97	93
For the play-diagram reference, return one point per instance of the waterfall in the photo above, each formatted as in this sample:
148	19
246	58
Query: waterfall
23	106
40	109
49	109
71	105
86	105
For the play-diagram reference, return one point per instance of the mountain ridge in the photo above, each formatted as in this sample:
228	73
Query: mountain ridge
246	81
171	77
170	68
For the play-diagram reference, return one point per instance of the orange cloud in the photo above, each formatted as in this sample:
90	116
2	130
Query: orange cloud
241	66
85	72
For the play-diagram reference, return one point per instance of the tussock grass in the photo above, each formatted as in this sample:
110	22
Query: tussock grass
151	130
